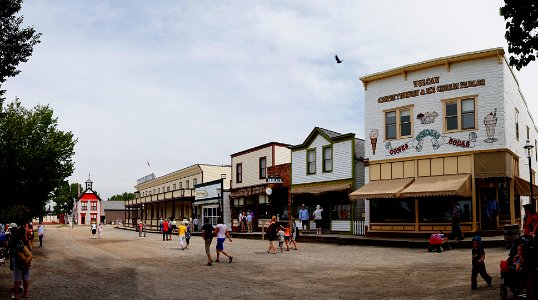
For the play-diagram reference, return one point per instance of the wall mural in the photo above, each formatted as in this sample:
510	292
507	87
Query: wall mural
428	117
436	139
374	134
490	120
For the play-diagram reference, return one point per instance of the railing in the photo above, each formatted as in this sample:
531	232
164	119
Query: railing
359	228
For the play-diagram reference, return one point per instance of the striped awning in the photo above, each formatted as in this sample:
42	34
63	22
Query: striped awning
381	189
445	185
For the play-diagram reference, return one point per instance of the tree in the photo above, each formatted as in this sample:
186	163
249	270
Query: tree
16	43
64	196
521	30
122	197
35	157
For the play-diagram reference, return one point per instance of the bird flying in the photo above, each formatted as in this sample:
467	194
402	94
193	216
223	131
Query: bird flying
338	61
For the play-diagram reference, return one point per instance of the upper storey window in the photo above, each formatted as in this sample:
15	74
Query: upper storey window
398	123
460	114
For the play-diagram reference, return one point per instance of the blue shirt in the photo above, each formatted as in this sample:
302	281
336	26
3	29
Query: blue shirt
303	214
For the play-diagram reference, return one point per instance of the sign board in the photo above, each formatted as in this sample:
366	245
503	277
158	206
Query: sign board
274	179
146	178
207	192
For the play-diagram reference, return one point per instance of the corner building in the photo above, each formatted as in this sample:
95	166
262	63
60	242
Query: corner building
445	130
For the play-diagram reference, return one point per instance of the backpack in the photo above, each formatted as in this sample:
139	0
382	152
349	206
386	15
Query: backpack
23	256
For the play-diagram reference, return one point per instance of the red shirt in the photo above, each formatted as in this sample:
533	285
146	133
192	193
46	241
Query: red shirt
165	226
529	225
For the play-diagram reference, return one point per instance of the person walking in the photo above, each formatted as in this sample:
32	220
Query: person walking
21	271
530	220
100	230
94	229
195	223
30	235
293	233
318	218
165	230
207	235
222	233
171	226
40	234
456	226
181	235
140	227
479	267
188	233
271	235
304	216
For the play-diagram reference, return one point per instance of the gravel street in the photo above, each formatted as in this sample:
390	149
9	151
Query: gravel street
72	265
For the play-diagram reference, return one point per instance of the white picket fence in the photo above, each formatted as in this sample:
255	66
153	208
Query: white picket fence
358	228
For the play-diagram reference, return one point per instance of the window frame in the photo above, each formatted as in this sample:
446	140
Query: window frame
460	113
323	159
239	173
83	205
264	170
528	133
309	150
398	111
93	205
517	124
194	181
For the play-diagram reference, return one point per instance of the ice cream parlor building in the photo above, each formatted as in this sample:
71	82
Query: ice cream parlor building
444	131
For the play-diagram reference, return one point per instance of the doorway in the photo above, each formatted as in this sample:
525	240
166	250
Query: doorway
489	208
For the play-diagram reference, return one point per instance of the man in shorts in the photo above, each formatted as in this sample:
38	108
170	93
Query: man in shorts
207	235
221	232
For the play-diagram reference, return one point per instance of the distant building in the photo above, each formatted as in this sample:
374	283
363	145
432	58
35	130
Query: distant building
88	207
113	211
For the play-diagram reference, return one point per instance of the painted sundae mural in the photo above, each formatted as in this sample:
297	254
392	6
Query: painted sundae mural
490	120
428	117
374	134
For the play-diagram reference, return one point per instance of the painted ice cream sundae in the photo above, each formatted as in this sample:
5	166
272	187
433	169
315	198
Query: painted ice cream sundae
490	120
374	134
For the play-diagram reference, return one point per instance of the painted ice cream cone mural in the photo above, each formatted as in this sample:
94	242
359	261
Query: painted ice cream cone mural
374	134
490	120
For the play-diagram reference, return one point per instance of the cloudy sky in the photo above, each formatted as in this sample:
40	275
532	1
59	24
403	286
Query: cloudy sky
175	83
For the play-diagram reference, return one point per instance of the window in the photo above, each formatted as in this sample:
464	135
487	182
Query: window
154	191
159	190
528	132
517	125
262	167
398	123
168	189
327	159
93	206
239	173
311	161
84	205
392	210
174	186
460	114
194	181
181	185
187	184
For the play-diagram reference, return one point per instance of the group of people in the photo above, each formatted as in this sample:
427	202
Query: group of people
18	244
96	230
305	218
245	220
221	233
284	234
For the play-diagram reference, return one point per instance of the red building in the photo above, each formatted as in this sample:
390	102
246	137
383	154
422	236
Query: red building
88	206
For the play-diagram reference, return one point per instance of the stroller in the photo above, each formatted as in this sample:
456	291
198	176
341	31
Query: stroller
438	242
513	279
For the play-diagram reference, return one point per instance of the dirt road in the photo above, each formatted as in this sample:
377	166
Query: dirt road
72	265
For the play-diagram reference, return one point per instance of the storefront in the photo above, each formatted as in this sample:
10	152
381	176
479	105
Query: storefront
464	146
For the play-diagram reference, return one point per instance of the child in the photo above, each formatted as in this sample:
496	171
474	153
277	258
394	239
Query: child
281	237
479	267
287	235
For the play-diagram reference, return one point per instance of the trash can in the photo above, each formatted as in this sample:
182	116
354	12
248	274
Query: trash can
511	233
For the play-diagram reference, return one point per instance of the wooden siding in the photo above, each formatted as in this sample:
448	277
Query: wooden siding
342	162
212	173
282	155
250	167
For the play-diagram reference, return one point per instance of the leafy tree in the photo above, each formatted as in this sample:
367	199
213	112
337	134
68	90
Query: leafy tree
16	43
122	197
35	157
521	30
63	196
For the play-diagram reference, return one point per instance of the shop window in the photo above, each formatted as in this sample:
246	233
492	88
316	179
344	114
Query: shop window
398	123
439	209
341	212
239	173
93	206
327	159
211	213
84	205
517	124
504	200
262	167
392	211
311	161
460	114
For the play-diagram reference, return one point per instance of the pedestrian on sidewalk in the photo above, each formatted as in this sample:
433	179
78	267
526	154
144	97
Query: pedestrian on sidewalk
100	230
250	219
294	232
207	235
30	235
304	216
195	223
222	233
21	272
271	235
94	229
281	237
165	230
40	234
188	233
287	236
181	235
140	227
318	218
479	267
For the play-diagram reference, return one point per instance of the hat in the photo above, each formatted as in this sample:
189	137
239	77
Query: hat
477	238
528	206
318	206
12	225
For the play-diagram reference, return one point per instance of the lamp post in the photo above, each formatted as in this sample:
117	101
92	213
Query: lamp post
528	149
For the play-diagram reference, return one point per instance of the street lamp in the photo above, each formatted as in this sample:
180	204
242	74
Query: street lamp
528	149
